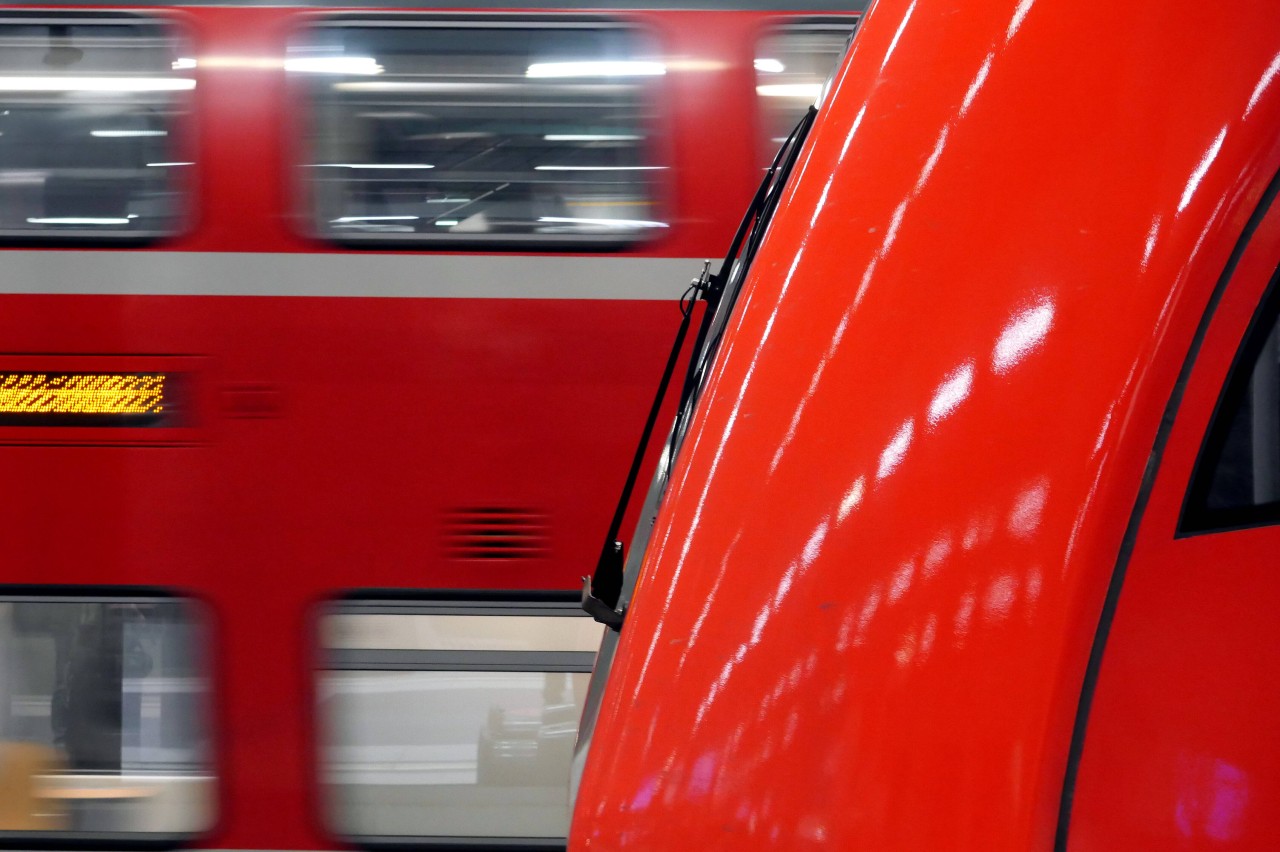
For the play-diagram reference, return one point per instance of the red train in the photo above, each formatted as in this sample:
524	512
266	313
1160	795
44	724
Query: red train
327	337
970	540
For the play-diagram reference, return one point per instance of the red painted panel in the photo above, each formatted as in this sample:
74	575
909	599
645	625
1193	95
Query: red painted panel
1181	750
871	592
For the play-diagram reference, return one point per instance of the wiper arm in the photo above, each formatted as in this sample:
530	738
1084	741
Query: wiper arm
725	284
602	590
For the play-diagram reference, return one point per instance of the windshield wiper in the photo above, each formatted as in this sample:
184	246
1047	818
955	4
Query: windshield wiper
602	590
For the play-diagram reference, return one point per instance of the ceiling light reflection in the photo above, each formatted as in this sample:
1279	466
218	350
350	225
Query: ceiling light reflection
124	134
96	84
790	90
953	391
896	450
1028	509
1268	77
1202	168
591	137
597	168
964	615
852	498
77	220
1024	333
997	603
362	65
608	223
373	165
596	69
901	580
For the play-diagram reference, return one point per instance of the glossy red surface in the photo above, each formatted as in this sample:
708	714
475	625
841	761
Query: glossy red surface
872	590
334	434
1182	751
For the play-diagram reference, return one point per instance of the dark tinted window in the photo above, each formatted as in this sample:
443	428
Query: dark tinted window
1237	478
462	133
90	119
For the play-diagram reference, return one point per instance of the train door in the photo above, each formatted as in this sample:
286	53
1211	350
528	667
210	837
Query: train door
1177	745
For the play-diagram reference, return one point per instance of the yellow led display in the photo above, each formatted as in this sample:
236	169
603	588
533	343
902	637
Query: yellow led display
81	393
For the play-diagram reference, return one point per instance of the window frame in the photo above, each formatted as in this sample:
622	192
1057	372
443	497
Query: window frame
658	148
1196	517
483	603
180	32
206	622
763	154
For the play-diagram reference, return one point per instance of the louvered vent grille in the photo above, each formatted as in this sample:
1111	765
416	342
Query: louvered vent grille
496	533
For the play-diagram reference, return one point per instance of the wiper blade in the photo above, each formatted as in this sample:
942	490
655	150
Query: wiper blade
762	205
602	590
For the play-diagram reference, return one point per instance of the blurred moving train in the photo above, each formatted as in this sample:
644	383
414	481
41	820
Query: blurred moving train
327	338
970	541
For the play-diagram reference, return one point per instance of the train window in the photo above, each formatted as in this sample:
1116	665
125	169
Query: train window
91	110
793	63
505	132
446	721
1237	477
103	733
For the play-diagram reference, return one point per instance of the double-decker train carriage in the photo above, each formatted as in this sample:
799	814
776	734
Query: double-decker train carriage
326	335
970	540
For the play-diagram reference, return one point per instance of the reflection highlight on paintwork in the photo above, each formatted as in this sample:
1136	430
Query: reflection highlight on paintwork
853	128
1150	245
867	614
929	635
980	531
896	451
902	27
1035	582
1019	15
932	162
938	552
901	581
827	355
954	390
964	616
852	498
1212	798
997	601
978	80
1023	333
691	530
1028	510
1268	77
1202	168
822	201
906	651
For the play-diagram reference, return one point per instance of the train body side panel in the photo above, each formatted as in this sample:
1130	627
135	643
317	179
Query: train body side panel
347	412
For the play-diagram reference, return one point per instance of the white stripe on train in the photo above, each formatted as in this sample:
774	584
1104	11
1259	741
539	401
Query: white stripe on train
172	273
